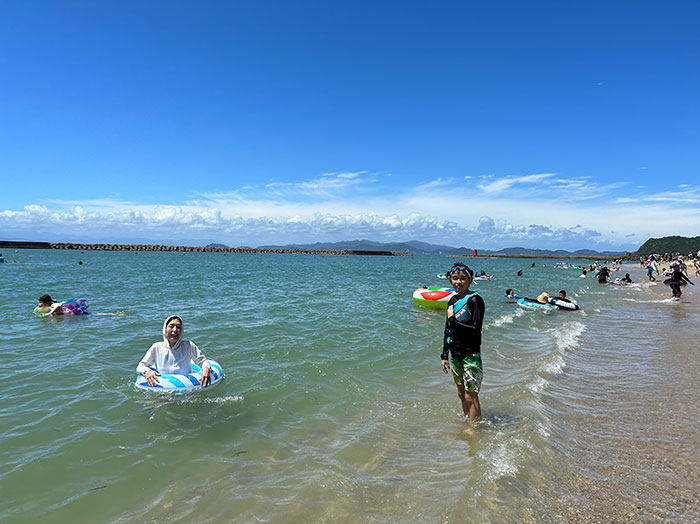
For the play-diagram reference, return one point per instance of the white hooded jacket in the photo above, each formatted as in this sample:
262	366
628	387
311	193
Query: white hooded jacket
174	360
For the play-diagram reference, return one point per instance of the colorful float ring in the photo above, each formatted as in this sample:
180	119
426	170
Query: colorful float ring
75	306
436	297
563	304
183	383
42	311
533	304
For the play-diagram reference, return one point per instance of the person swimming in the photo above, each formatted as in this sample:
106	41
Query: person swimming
48	306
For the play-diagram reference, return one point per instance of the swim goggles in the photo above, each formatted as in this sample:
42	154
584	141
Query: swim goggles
461	267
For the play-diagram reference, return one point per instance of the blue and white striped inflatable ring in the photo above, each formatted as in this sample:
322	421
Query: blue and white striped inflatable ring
183	383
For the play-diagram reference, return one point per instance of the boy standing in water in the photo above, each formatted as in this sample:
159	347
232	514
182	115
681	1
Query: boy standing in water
462	341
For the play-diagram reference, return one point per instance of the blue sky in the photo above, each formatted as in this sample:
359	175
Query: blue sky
480	124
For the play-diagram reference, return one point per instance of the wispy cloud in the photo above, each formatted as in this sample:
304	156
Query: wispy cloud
686	194
327	185
500	185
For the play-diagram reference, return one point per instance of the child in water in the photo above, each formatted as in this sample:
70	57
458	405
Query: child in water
48	306
461	351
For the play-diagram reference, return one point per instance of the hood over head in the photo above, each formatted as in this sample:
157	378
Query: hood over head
165	338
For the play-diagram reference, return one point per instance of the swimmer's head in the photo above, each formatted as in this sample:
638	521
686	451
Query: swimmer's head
459	266
45	299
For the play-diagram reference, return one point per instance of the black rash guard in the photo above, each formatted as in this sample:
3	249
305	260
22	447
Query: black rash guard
464	338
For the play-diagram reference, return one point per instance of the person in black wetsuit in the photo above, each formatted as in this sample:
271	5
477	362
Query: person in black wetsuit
461	349
603	275
677	280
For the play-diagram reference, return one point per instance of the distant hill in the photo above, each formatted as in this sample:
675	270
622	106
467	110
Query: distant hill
416	247
552	253
674	244
216	245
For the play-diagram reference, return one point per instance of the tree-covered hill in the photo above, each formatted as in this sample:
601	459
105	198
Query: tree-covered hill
675	244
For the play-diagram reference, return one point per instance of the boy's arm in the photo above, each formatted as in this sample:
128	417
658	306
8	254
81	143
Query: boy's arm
446	341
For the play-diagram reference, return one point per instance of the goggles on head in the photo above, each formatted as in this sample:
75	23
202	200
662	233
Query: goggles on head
460	267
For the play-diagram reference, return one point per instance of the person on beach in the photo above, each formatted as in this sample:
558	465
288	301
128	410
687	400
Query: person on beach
678	279
48	306
461	350
650	272
173	356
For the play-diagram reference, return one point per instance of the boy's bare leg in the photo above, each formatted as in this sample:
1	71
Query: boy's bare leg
470	403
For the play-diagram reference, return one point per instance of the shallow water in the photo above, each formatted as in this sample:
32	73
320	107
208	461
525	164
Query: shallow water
334	408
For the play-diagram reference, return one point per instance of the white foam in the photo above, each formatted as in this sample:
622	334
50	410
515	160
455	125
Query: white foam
538	385
213	400
542	430
503	460
506	319
556	367
568	335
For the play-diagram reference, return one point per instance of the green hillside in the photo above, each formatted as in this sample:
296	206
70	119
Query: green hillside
684	245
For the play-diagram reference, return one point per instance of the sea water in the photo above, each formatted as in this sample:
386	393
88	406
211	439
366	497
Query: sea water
334	407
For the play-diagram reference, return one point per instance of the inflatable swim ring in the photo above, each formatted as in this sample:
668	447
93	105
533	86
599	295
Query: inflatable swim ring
533	304
512	298
74	306
436	297
563	304
670	281
183	383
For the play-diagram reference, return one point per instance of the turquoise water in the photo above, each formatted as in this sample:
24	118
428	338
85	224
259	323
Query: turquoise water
334	407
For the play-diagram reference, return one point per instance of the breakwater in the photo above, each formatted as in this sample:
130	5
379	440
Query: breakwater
9	244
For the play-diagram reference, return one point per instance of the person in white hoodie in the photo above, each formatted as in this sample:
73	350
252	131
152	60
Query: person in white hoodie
173	356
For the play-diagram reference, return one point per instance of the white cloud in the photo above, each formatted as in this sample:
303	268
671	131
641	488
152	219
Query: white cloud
502	184
342	206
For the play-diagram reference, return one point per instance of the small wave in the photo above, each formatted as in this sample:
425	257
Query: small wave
568	335
555	367
506	319
503	460
538	385
219	400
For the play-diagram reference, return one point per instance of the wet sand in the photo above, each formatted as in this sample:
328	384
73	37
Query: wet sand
633	453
